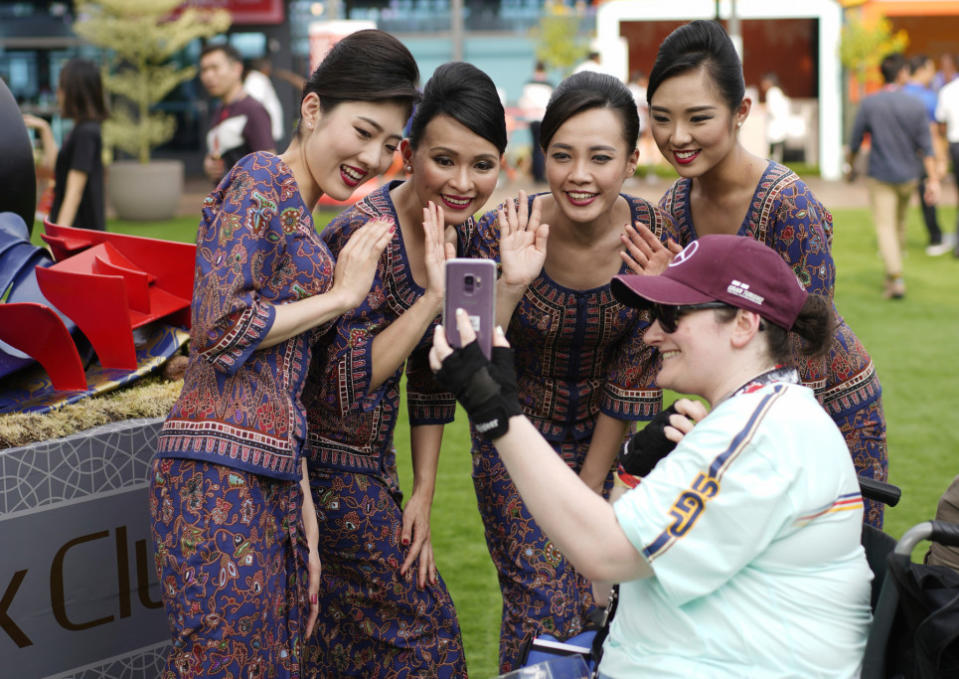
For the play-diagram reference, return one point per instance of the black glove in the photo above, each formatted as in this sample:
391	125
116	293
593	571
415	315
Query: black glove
648	446
504	373
486	389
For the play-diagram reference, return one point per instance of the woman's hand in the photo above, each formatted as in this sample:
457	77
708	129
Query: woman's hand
35	122
213	167
357	261
416	534
437	249
315	570
485	387
688	413
311	534
522	240
601	592
441	347
49	144
645	253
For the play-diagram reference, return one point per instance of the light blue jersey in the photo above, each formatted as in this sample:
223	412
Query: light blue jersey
752	527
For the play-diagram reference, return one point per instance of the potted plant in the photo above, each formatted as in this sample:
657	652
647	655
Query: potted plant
863	43
557	36
141	37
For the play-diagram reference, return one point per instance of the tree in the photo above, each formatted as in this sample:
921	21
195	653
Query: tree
558	40
142	36
863	44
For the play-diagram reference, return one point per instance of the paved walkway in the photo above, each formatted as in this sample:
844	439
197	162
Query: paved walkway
833	194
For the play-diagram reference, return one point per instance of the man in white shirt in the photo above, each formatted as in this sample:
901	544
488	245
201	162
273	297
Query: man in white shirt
947	115
777	116
533	101
591	64
240	125
258	85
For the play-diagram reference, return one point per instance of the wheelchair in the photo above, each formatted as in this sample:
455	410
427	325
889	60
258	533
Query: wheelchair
915	628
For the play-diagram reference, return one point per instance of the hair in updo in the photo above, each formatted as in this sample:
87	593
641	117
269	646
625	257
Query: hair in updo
368	65
814	326
588	90
468	96
700	43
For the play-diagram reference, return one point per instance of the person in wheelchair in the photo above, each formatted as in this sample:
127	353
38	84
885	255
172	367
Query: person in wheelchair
738	550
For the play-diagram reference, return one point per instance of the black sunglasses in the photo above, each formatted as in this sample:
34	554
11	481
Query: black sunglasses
669	315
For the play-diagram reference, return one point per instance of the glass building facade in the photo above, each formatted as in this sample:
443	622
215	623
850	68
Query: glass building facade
37	38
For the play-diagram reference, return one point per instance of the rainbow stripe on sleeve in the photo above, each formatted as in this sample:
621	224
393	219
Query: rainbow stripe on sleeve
843	503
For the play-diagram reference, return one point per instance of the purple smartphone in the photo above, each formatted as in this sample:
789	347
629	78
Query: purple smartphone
470	285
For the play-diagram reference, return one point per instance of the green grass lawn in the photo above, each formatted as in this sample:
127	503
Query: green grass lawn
913	342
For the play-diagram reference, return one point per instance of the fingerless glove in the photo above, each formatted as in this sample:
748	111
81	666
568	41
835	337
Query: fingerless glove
486	388
647	446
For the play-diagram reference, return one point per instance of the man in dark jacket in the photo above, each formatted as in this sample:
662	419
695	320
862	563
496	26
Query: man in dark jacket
899	131
240	125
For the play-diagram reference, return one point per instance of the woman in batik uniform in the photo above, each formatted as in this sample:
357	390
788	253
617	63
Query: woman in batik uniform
584	371
231	551
385	610
697	105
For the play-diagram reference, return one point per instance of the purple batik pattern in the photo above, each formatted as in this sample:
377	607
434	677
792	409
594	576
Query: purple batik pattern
231	569
351	428
577	353
373	622
256	248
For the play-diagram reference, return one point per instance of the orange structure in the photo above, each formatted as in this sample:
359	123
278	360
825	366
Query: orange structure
932	25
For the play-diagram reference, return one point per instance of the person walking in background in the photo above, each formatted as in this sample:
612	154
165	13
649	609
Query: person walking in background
532	102
258	85
584	372
386	610
898	127
697	106
240	125
922	70
947	116
78	191
638	82
778	115
946	73
590	63
649	155
234	529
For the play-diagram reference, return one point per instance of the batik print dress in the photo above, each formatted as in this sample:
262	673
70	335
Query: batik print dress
785	215
223	494
373	621
577	353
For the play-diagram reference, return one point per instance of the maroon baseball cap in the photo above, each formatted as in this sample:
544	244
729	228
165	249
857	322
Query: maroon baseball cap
737	270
